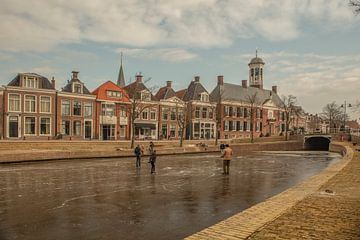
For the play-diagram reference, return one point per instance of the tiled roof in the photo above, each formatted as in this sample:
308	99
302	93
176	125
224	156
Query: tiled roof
101	93
68	86
234	92
44	83
135	87
181	93
165	93
193	91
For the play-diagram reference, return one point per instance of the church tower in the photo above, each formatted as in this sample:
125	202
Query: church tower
121	77
256	72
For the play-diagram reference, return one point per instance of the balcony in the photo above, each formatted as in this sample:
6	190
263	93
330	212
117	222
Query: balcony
107	119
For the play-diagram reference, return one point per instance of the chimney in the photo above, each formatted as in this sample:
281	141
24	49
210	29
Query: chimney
74	74
53	82
220	80
244	83
168	84
197	78
139	78
274	89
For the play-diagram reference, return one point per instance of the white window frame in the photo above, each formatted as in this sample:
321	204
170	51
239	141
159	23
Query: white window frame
92	127
73	126
20	102
36	82
24	125
226	125
49	134
234	125
65	100
35	110
87	104
73	107
153	111
81	87
8	126
50	108
147	114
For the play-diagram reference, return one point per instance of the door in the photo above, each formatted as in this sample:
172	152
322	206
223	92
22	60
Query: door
88	129
14	127
106	132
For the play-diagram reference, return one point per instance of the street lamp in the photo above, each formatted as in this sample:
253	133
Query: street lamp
344	106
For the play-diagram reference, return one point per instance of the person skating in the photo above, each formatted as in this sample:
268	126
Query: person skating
153	161
137	152
151	150
228	152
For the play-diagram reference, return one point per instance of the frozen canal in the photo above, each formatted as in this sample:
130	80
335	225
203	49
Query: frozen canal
110	199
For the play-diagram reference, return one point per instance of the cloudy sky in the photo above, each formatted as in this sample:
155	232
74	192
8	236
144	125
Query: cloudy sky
310	47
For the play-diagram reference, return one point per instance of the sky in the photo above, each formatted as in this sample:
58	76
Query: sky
310	47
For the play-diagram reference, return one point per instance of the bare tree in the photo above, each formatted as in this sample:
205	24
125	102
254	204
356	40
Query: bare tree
182	119
356	5
218	114
291	110
253	99
137	105
332	113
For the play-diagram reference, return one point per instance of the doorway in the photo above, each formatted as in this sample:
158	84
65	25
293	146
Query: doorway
13	126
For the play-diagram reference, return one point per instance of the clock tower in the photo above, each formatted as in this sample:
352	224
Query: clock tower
256	72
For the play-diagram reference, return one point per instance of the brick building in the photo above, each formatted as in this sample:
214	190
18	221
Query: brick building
147	107
112	112
170	107
200	111
28	107
242	108
75	110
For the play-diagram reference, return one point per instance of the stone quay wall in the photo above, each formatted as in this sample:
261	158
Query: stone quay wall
43	151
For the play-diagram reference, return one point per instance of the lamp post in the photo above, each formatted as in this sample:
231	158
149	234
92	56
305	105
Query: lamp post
344	106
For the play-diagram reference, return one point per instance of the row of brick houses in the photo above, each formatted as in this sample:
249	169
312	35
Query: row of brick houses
32	108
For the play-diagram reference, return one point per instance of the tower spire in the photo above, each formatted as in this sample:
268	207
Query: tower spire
256	52
121	77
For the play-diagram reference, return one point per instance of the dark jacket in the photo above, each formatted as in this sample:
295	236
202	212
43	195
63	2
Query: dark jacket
137	151
153	157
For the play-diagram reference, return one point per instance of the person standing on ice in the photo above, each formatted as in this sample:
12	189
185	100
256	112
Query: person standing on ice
153	161
137	152
227	156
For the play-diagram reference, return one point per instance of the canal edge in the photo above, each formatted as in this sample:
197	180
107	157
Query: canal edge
246	223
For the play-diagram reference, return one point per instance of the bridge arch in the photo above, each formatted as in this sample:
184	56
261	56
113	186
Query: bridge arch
317	142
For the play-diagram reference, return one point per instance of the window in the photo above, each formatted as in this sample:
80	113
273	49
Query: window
65	107
238	126
234	112
164	130
211	113
30	125
257	126
173	114
226	125
76	128
246	112
113	94
77	88
240	112
145	114
30	103
226	111
270	114
165	113
108	110
258	113
122	112
44	126
248	126
197	112
65	127
145	96
30	82
234	125
45	104
153	114
122	131
172	130
230	125
14	102
77	108
204	112
252	72
245	126
204	97
88	110
230	111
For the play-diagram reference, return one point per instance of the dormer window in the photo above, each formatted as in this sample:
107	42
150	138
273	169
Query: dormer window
77	88
113	94
30	82
204	97
145	96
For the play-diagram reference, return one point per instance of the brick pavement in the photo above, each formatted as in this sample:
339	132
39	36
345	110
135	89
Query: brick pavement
305	211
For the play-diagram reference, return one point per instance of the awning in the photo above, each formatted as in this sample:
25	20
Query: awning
145	125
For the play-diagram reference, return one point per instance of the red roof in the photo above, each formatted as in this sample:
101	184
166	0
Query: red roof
353	124
101	92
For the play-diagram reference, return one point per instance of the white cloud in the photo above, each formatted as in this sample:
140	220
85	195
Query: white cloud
41	25
163	54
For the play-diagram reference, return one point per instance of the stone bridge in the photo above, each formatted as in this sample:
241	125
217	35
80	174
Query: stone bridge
317	142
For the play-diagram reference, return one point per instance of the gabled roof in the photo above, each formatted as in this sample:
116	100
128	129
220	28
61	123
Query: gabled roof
194	91
101	93
234	92
165	93
137	87
181	93
44	83
74	79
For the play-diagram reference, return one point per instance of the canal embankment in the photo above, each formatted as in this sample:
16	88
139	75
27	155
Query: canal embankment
46	151
325	206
